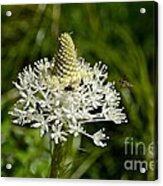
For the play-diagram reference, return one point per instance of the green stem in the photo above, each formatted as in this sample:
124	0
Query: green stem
57	159
62	158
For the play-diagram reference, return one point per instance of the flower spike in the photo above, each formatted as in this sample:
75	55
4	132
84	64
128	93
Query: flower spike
61	95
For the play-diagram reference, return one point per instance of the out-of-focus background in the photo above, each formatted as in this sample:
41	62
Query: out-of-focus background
115	33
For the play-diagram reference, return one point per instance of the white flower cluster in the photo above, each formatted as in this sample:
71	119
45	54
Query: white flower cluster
62	111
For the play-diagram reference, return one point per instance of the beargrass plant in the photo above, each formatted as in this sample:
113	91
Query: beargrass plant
61	95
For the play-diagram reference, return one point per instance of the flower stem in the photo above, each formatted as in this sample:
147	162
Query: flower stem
57	159
63	156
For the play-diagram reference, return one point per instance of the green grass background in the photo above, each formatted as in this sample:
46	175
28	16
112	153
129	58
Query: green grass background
115	33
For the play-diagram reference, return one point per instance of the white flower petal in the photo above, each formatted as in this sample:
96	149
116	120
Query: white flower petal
36	125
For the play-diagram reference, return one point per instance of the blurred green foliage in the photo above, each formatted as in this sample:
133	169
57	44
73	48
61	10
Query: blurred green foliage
115	33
